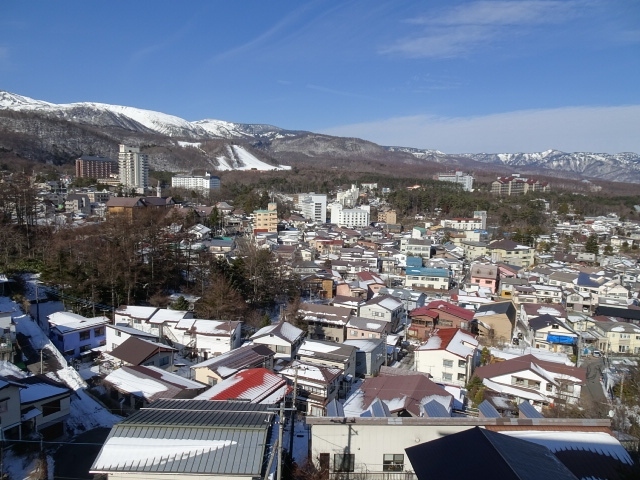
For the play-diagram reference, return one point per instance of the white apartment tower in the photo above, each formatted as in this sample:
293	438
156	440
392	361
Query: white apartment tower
134	168
313	206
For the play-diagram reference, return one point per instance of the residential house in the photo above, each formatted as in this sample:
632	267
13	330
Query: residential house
232	439
10	408
550	333
422	322
506	286
484	275
138	351
449	356
428	278
403	395
44	406
216	369
282	338
333	355
359	328
495	321
618	337
528	378
529	311
317	385
254	385
118	333
329	354
384	307
370	355
474	249
325	322
450	315
411	298
74	334
137	386
201	338
417	247
510	252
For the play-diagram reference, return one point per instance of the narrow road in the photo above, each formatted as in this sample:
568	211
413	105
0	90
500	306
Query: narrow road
592	394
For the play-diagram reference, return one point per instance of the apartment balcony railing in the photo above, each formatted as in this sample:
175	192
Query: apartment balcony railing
373	476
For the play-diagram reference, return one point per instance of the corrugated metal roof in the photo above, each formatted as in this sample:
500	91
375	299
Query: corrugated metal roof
193	450
190	437
527	411
187	413
434	409
487	410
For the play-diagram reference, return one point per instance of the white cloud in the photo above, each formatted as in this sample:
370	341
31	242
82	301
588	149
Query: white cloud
462	29
570	129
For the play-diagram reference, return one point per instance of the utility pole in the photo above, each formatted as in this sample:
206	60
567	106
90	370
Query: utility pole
293	407
280	428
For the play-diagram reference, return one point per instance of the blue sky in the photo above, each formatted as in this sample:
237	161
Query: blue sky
457	76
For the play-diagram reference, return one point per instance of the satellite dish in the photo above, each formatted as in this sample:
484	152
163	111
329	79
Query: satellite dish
611	413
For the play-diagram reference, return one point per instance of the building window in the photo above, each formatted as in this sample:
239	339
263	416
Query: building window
282	349
447	363
393	462
549	387
447	376
51	407
85	335
118	333
164	361
462	363
344	462
211	381
98	332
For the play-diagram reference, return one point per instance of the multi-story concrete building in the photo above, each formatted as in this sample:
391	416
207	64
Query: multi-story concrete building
462	223
134	168
203	184
517	185
88	166
457	177
348	198
312	206
349	217
266	220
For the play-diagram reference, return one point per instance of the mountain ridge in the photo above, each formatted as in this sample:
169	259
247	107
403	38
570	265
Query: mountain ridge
271	144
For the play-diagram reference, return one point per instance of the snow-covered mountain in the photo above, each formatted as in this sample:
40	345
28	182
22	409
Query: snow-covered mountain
121	124
130	118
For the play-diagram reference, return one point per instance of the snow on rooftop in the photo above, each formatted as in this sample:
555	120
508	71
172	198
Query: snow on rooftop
596	442
136	312
130	383
39	391
549	311
168	315
154	451
319	347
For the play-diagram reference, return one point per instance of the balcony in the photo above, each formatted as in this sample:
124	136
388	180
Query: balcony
373	476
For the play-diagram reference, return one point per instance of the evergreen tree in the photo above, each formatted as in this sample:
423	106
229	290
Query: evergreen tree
591	246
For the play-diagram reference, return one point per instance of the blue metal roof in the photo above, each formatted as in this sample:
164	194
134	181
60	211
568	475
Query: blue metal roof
434	409
527	411
487	410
